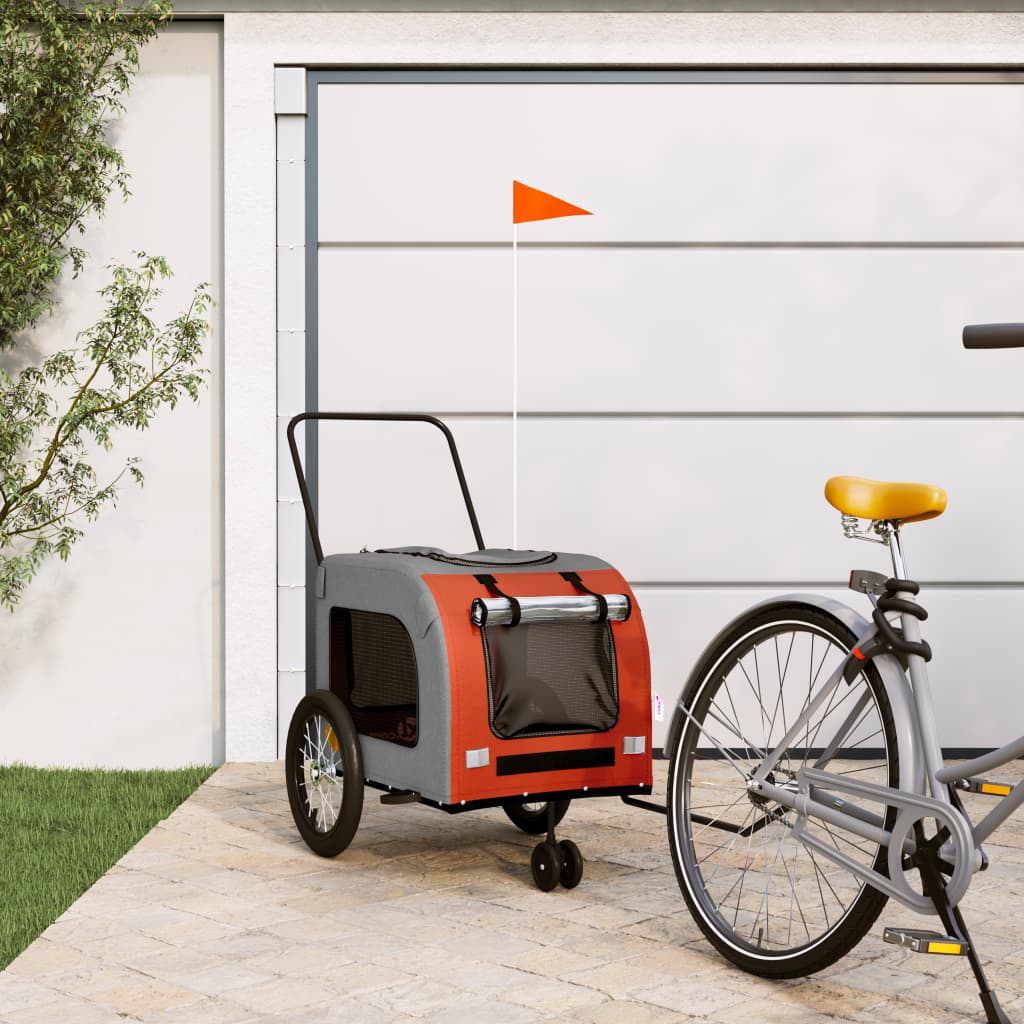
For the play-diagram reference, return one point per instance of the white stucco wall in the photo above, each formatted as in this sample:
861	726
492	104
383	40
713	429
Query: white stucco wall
255	43
114	658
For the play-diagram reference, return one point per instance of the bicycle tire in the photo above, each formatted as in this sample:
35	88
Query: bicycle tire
763	899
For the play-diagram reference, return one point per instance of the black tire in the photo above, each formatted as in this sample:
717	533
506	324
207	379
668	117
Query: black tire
766	901
532	818
324	772
546	865
572	864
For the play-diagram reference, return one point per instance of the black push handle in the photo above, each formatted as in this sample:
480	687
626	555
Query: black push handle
314	533
994	336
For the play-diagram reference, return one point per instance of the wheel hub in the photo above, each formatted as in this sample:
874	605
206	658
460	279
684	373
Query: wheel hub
319	771
760	799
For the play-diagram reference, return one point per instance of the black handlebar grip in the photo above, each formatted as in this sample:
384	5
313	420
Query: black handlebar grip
994	336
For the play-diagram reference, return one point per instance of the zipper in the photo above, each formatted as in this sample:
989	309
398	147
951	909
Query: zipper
456	560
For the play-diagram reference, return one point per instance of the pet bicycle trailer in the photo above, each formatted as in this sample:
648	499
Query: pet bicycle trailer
518	679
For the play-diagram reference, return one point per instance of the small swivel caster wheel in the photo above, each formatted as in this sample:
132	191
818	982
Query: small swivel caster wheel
552	863
546	866
572	864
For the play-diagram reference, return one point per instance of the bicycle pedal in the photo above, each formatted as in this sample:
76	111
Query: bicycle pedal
986	787
920	941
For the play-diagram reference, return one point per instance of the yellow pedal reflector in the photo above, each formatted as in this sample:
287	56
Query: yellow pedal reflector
920	941
994	789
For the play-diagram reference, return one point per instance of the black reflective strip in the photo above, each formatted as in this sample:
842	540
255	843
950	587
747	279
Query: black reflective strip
555	761
492	586
574	579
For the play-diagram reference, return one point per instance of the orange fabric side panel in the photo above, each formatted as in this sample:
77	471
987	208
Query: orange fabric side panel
470	725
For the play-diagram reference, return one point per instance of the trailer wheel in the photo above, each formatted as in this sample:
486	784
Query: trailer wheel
532	818
572	864
546	865
324	773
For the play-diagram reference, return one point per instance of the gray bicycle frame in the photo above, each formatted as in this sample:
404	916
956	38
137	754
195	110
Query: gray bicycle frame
924	781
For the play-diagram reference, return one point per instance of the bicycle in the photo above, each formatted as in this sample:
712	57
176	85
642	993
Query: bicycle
806	783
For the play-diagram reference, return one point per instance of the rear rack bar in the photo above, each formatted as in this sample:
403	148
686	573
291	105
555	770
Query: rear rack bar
307	504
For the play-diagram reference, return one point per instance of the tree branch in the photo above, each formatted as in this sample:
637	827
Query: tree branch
66	514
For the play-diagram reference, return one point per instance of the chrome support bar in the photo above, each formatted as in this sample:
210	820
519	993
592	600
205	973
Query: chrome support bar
497	611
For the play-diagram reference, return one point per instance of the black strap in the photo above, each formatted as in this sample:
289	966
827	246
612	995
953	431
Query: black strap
492	585
602	603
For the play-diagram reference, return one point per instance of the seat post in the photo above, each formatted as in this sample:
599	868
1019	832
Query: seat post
899	565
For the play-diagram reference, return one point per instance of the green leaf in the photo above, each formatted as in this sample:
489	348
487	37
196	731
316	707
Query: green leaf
62	78
78	402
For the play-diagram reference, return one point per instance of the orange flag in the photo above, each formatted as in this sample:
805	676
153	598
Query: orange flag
532	204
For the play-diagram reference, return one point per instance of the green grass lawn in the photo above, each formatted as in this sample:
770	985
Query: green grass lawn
61	829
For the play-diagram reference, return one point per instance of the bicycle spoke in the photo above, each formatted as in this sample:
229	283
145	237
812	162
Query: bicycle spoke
780	704
829	711
748	745
732	762
794	880
835	895
818	877
732	842
756	691
738	800
865	768
735	713
763	934
842	838
732	725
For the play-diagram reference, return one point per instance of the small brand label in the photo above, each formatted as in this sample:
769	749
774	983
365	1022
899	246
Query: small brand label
659	708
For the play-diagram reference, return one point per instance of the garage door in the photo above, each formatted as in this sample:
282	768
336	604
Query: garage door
769	292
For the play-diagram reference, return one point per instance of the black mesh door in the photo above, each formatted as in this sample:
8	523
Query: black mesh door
549	678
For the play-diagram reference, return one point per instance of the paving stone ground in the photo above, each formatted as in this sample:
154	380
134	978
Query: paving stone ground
221	915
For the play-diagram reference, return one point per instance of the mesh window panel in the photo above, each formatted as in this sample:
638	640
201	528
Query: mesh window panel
551	678
373	671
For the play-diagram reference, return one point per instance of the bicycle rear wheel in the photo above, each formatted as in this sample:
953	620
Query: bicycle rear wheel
768	903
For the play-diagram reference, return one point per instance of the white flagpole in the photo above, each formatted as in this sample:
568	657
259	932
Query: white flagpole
515	386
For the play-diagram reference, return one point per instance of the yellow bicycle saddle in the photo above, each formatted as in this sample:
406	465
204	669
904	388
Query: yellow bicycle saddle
871	499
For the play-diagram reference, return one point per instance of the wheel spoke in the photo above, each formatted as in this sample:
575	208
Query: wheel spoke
756	691
729	759
780	704
319	770
829	710
751	749
721	816
732	725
